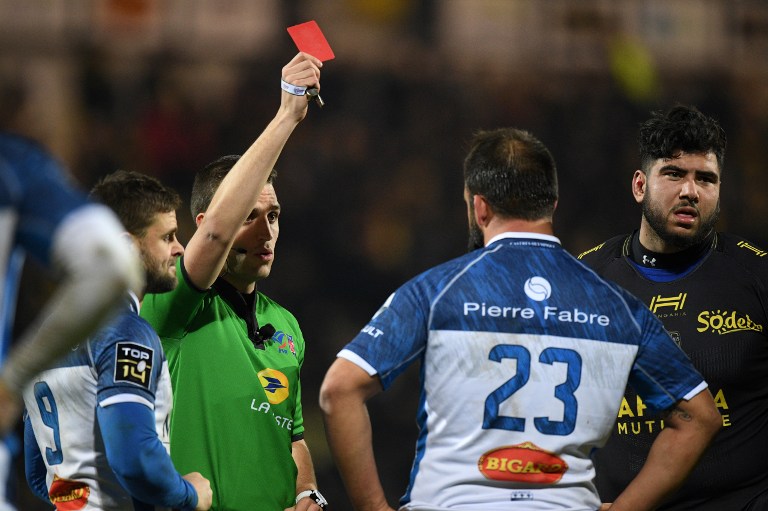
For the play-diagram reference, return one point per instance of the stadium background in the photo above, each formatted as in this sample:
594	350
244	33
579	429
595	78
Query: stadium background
371	185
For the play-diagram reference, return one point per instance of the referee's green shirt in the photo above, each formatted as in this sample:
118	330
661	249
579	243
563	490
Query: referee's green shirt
236	406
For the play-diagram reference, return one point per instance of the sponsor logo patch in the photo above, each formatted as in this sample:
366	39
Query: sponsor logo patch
133	364
537	288
526	463
286	342
275	385
725	322
675	303
68	495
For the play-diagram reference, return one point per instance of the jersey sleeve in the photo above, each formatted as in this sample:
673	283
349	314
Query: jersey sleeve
298	413
139	459
128	364
394	337
170	313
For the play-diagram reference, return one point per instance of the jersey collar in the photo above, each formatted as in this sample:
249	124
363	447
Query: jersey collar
525	235
678	262
134	302
243	304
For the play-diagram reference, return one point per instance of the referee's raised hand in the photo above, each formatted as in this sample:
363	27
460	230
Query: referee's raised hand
299	75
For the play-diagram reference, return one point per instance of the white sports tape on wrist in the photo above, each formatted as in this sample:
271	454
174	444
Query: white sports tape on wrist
296	90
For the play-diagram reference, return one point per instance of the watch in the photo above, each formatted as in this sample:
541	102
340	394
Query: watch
314	495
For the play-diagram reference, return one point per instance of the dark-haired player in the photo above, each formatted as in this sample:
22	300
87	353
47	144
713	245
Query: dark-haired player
96	429
710	289
525	354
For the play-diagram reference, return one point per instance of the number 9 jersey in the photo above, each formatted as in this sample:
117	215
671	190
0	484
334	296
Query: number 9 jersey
525	354
122	364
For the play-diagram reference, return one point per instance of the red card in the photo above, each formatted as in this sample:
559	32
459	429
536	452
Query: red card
310	39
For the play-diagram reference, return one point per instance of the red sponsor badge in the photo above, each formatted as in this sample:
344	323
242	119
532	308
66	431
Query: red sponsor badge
526	463
67	495
310	39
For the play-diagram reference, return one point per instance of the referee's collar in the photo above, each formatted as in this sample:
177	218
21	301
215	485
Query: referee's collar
523	235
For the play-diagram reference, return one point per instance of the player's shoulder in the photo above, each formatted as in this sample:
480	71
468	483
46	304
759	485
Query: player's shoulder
267	302
738	246
607	251
432	280
454	265
127	326
743	252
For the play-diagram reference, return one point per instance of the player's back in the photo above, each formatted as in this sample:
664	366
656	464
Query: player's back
122	363
527	357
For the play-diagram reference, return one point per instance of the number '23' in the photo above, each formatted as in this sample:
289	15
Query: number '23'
564	392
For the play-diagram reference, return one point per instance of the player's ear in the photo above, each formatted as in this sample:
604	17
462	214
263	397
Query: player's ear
639	183
199	219
483	211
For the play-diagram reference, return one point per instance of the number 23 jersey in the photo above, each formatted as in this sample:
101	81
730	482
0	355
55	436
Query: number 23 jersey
525	354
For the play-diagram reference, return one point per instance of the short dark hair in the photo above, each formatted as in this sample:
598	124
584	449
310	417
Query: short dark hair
514	171
682	128
136	198
207	181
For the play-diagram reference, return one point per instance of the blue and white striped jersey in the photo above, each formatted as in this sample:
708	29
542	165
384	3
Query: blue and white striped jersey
525	354
123	363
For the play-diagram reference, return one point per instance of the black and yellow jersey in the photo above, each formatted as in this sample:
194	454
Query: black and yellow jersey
716	310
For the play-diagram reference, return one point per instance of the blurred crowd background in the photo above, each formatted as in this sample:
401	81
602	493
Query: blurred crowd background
371	185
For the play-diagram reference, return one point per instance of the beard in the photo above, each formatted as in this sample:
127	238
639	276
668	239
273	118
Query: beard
657	220
475	236
158	278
